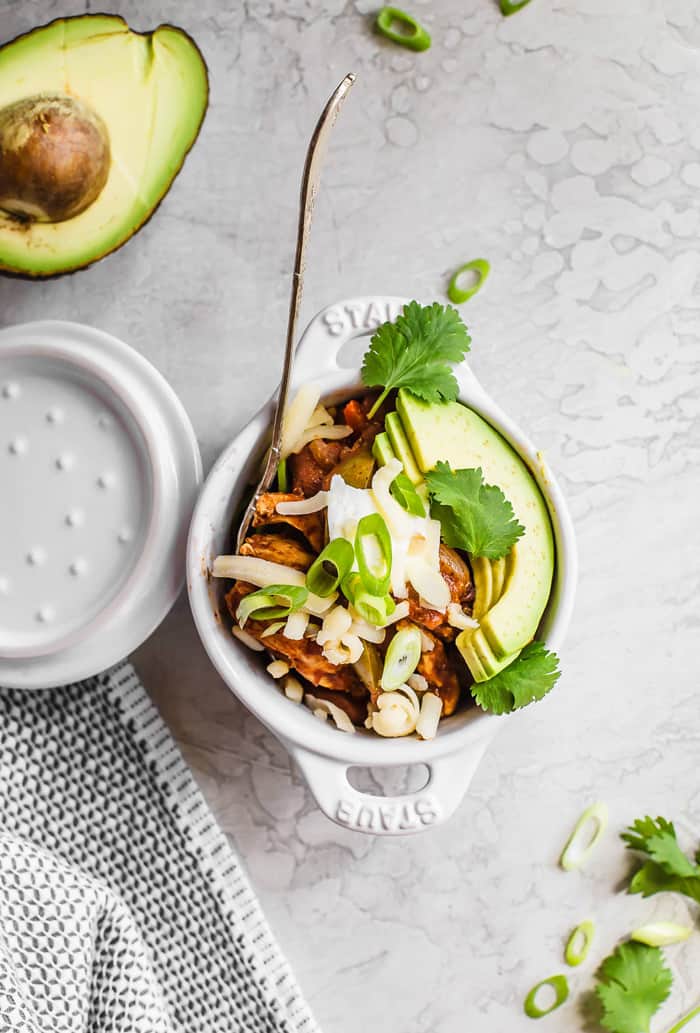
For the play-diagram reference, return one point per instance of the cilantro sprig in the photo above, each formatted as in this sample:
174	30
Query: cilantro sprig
633	983
666	868
528	678
415	351
474	516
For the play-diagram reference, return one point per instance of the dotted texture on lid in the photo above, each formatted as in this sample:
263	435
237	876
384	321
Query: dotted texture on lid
77	504
99	470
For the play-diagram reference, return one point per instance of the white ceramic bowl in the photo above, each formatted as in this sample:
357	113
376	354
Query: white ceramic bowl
330	352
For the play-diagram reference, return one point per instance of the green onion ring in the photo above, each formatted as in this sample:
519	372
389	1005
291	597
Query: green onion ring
404	491
264	603
661	934
574	955
560	986
282	475
330	567
374	609
375	579
415	38
458	296
573	856
508	8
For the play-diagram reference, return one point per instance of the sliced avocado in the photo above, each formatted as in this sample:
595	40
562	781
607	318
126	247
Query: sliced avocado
457	435
483	585
382	450
95	122
498	575
401	447
478	655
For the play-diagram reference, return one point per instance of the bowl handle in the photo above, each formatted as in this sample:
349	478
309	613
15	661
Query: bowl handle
336	325
403	815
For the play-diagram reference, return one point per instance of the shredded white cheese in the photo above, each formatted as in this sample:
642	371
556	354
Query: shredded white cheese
272	629
459	619
293	689
340	718
246	639
429	716
278	668
296	625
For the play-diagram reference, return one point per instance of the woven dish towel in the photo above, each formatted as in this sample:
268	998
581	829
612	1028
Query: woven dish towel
123	909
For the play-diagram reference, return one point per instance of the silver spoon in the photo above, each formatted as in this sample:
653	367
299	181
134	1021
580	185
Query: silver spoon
309	188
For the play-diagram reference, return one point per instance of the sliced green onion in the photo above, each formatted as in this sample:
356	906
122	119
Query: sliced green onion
685	1020
661	934
458	295
404	491
375	609
282	475
575	853
328	570
512	8
266	605
579	944
560	986
373	551
402	658
410	32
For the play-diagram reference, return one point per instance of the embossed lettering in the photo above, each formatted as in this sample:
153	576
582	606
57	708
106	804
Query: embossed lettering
335	322
427	809
354	312
365	818
387	815
345	812
373	316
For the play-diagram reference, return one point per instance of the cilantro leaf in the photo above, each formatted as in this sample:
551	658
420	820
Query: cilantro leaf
528	678
414	352
633	983
667	868
474	516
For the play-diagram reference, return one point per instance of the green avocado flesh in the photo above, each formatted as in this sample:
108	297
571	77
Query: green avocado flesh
401	447
453	433
140	99
382	450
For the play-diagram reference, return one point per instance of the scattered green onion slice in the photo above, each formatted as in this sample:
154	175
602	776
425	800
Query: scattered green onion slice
404	491
508	8
266	605
685	1020
456	294
373	551
282	475
560	986
328	570
661	934
574	853
375	609
410	33
579	944
402	658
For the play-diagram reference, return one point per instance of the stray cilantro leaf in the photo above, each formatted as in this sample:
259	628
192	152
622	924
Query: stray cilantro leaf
633	983
667	868
474	516
528	678
415	351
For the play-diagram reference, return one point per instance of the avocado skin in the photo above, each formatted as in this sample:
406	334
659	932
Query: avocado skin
24	274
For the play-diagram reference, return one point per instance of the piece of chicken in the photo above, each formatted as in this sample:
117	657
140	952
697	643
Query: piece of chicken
276	549
458	577
304	655
308	524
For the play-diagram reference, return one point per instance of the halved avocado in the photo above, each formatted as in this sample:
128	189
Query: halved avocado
95	123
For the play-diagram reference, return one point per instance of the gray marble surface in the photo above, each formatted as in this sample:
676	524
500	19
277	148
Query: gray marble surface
562	144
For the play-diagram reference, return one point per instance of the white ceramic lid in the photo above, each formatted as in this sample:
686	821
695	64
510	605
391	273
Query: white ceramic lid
99	471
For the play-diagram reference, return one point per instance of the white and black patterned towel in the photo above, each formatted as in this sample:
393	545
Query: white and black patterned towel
123	908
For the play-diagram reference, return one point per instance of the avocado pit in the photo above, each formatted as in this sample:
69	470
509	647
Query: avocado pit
54	158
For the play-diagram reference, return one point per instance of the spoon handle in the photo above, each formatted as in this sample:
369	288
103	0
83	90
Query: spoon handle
309	188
